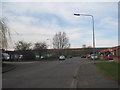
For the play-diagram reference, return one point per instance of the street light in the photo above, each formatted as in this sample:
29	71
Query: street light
49	43
49	47
93	32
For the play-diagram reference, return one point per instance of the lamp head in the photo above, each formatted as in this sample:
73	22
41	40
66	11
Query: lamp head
77	14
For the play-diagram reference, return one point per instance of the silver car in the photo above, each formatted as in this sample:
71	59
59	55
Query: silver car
94	56
5	56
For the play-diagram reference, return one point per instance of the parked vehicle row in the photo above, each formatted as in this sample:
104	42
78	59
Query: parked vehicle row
96	56
8	57
62	57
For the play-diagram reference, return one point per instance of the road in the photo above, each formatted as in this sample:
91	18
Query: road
42	74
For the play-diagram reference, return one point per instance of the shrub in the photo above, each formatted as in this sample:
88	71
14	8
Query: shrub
29	55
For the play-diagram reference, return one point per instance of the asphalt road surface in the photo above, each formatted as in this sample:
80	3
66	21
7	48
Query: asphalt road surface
42	74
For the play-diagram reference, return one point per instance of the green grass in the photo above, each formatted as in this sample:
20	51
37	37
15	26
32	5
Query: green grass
109	69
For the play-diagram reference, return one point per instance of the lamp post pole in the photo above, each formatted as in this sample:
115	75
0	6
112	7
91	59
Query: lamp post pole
93	32
49	47
49	43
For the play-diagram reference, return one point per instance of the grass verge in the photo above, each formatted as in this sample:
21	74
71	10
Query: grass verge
110	69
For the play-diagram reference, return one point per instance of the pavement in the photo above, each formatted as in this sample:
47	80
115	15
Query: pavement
7	67
90	77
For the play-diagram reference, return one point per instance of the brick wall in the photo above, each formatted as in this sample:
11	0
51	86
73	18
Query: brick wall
116	59
116	51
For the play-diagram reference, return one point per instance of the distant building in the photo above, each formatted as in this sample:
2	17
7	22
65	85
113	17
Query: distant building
115	51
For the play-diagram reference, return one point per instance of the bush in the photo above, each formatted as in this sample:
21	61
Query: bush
29	55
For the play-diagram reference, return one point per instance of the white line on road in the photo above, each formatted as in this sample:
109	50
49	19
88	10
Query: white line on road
18	62
75	77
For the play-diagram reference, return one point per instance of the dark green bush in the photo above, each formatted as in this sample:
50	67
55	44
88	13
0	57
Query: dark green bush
29	55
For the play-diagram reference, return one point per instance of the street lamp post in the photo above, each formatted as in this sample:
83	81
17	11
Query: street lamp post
49	43
50	47
48	50
93	32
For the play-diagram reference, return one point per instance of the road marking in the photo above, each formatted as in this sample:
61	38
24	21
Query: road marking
75	77
18	62
74	83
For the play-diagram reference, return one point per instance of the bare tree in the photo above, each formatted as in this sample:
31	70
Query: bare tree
22	46
40	48
4	35
25	49
60	41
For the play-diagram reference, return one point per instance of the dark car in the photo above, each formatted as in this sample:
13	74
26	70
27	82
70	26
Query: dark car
83	56
69	56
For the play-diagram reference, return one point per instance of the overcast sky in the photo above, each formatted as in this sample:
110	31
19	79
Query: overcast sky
39	21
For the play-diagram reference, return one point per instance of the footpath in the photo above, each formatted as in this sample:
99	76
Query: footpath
90	77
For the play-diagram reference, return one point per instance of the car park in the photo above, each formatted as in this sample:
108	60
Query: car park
62	57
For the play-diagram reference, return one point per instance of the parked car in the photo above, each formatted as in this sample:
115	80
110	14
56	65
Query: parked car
16	57
37	56
94	56
20	57
69	56
110	57
42	57
62	57
88	56
5	57
83	56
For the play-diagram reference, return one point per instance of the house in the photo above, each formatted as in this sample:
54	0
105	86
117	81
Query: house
115	51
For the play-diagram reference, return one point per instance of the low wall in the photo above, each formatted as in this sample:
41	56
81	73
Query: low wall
116	59
102	58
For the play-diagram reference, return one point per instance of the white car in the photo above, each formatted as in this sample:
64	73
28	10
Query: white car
94	56
42	57
62	57
5	56
37	56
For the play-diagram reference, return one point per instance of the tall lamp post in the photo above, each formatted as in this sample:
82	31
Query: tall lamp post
93	32
49	50
49	43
